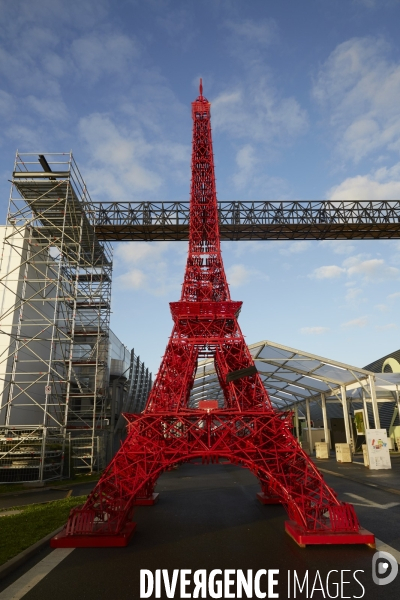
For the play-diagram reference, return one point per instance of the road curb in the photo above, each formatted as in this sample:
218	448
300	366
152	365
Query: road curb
376	486
13	564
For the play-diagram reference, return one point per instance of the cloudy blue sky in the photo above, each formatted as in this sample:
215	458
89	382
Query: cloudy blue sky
305	105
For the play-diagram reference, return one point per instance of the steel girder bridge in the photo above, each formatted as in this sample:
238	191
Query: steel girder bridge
261	220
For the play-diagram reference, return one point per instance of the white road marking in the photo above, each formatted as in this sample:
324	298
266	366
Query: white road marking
385	548
370	503
24	584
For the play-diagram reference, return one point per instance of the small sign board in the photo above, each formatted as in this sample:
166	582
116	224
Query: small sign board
378	449
208	404
359	421
47	389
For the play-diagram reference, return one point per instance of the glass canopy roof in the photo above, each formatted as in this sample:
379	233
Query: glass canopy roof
291	376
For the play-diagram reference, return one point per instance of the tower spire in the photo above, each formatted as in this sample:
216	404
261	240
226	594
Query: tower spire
205	276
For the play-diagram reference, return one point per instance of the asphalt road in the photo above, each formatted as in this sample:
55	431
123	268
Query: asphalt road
377	511
208	518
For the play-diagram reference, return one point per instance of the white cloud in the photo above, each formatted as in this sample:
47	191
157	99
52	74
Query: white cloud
372	4
110	145
262	32
134	279
314	330
155	268
249	177
55	65
246	160
366	3
247	247
296	247
28	137
6	103
394	296
238	275
338	246
141	252
119	158
81	15
253	110
49	108
353	294
382	307
359	85
381	184
179	25
132	150
327	272
98	55
50	73
372	269
359	322
386	327
258	113
226	100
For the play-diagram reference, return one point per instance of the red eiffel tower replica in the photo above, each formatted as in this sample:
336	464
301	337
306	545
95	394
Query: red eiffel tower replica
246	430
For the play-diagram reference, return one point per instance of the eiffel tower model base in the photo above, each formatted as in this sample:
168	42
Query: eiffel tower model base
94	539
305	538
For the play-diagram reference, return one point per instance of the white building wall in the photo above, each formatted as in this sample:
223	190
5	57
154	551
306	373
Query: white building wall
19	278
10	267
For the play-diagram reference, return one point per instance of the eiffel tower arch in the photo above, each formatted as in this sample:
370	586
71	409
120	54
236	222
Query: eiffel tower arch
246	430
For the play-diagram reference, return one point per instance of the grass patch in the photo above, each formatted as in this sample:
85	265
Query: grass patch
9	488
18	532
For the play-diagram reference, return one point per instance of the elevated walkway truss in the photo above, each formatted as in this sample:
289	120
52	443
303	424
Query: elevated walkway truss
262	220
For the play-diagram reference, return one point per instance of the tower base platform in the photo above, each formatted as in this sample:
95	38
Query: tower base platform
61	540
305	538
265	499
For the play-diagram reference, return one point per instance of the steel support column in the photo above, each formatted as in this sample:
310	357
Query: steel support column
377	421
309	426
349	437
296	422
325	420
366	416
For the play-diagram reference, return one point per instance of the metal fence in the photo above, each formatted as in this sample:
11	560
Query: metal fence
31	454
39	454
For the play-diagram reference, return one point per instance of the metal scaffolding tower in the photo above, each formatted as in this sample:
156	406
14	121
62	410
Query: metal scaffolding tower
54	319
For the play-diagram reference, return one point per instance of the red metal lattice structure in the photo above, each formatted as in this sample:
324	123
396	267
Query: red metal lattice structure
246	431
